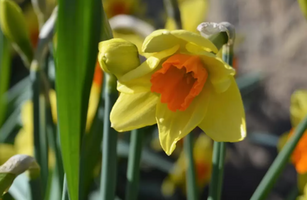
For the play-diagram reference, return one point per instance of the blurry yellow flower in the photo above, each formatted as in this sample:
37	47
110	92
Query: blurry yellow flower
183	84
192	13
202	153
298	110
6	151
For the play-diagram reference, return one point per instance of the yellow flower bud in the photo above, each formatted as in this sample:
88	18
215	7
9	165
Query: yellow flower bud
13	25
118	56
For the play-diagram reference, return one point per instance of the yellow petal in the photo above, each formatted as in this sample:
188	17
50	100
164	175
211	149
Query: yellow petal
220	73
159	40
92	106
193	13
173	126
6	151
133	111
163	39
195	38
298	108
225	117
131	37
137	85
149	65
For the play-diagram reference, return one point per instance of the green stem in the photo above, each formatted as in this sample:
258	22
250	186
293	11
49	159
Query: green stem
109	146
221	162
39	136
36	189
91	150
53	139
5	71
215	176
133	171
279	163
190	174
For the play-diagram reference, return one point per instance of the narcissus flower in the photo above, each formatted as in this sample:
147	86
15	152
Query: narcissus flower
192	13
181	85
298	110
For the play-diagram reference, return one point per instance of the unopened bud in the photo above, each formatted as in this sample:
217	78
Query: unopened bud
118	56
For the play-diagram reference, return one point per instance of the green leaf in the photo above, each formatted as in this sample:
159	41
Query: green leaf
91	151
5	70
78	31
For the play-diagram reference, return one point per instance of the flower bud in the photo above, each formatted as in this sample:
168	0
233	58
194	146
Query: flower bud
13	25
118	56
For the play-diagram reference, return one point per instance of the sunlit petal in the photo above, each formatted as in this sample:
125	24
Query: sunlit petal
194	38
225	117
133	111
220	73
173	126
153	42
137	85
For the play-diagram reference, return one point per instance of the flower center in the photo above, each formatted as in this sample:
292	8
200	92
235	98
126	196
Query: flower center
179	81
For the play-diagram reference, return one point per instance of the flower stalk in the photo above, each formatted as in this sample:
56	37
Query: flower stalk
109	144
133	172
190	174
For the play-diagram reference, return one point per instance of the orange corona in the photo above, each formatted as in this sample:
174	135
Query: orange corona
179	81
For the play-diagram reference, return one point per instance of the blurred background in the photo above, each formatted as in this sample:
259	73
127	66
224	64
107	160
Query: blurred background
270	58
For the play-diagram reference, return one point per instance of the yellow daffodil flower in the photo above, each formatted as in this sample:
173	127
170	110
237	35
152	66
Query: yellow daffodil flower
298	110
6	151
192	13
202	153
183	84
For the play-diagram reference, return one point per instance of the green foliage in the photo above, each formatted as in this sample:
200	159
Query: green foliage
78	29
